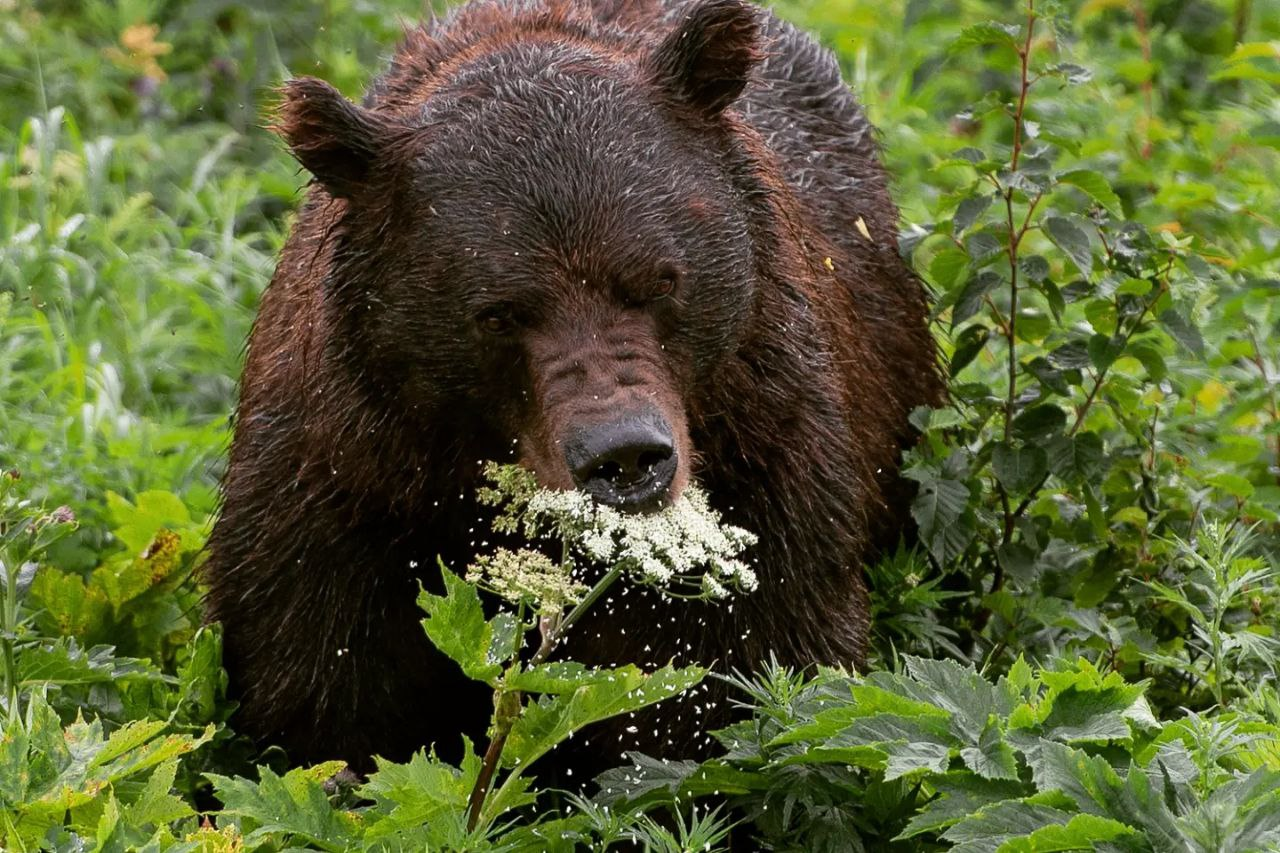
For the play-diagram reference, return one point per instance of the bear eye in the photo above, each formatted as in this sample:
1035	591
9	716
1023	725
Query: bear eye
498	321
664	287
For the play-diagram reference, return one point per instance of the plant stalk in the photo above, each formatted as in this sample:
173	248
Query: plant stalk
506	721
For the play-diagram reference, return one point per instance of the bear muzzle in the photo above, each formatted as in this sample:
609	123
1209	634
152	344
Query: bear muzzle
629	464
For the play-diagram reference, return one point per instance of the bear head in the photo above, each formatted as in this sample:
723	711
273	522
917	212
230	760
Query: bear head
549	245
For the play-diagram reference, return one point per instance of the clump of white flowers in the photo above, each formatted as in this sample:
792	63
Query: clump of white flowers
527	576
683	549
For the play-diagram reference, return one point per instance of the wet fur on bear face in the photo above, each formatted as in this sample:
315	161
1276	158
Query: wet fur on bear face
588	262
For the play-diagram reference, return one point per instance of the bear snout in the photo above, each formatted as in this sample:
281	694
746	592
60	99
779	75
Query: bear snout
629	463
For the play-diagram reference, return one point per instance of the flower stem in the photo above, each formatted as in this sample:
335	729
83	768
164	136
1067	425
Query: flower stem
507	704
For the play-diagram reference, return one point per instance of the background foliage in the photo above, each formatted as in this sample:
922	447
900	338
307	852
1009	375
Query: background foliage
1090	189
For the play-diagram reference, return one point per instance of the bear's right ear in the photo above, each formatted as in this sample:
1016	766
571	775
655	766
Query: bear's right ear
335	140
706	61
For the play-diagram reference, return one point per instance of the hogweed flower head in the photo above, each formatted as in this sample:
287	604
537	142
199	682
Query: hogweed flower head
684	549
527	576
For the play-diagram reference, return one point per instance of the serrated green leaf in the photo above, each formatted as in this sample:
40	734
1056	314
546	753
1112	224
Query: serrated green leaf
156	806
959	795
559	677
992	758
64	663
1076	458
642	776
908	758
136	524
968	211
456	625
1183	332
294	806
1082	832
1072	240
940	511
1094	715
1090	782
1096	186
548	721
423	801
960	690
971	295
987	32
991	827
1019	469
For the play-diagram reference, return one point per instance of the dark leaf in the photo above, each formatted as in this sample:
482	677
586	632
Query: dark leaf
1071	239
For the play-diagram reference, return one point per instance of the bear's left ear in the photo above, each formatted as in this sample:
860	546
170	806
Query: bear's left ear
706	60
335	140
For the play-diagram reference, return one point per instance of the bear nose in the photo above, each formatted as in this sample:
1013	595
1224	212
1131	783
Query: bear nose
628	464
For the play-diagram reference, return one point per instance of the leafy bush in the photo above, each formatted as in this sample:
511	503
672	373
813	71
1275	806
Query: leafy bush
1081	653
1084	447
936	757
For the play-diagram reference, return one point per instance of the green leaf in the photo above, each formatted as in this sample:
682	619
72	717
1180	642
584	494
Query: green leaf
1076	458
67	607
986	33
1072	240
994	825
642	776
909	744
137	746
982	246
911	757
1183	332
1096	186
559	677
968	211
293	806
927	419
202	682
137	524
456	625
971	296
1083	714
960	794
63	663
1071	355
546	723
1070	72
992	758
1082	832
969	697
1039	422
1104	350
156	806
1087	780
423	794
969	343
940	510
1019	469
1152	359
946	267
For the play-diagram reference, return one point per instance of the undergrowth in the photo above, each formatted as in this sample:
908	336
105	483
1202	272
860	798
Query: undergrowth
1080	653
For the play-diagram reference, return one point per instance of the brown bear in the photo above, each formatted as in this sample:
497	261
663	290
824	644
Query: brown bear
632	244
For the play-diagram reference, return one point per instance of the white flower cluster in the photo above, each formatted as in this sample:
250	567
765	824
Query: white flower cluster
526	576
684	549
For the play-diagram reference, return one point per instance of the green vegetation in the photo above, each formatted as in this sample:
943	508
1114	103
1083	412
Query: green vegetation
1083	652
